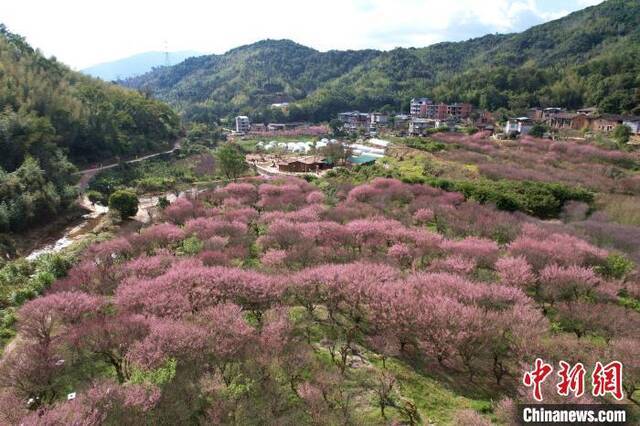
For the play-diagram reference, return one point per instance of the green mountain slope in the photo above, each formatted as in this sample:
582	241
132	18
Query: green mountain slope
254	75
590	57
50	115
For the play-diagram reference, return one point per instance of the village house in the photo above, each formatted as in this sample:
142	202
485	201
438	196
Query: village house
419	126
379	119
633	123
426	108
443	111
611	121
557	118
418	106
485	121
354	120
310	164
518	126
564	120
608	122
543	114
401	122
243	125
588	111
459	111
448	122
588	118
581	122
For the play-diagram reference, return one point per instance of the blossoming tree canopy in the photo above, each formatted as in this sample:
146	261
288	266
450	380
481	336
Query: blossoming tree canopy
274	299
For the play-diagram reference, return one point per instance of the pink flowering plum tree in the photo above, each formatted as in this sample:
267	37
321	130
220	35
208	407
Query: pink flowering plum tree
158	236
111	338
180	211
515	271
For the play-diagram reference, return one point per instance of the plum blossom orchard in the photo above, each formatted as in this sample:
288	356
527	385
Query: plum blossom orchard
263	299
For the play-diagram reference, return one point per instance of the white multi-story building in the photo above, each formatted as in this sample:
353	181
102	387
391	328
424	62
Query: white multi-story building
520	125
379	119
243	125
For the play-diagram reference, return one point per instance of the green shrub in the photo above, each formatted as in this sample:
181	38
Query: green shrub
438	130
191	246
622	134
8	318
540	199
7	333
125	202
538	130
428	145
616	266
155	183
163	202
159	376
96	197
22	295
55	263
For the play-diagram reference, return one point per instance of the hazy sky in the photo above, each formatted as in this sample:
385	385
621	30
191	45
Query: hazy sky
85	32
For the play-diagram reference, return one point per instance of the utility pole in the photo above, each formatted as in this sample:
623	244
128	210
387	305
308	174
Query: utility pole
167	62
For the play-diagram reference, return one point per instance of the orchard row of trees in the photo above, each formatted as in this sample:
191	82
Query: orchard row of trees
279	301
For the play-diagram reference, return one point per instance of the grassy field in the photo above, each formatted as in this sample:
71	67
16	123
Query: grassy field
623	209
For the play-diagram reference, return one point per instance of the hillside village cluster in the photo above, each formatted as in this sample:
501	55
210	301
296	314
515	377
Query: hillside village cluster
425	116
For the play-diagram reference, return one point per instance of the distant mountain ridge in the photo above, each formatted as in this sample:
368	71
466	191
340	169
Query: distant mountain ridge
590	57
136	65
258	74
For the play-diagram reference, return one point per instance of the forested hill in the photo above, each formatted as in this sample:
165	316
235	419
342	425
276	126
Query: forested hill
259	74
590	57
51	117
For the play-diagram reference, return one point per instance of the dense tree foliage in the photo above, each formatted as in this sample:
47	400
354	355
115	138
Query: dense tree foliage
248	79
32	193
589	58
49	113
